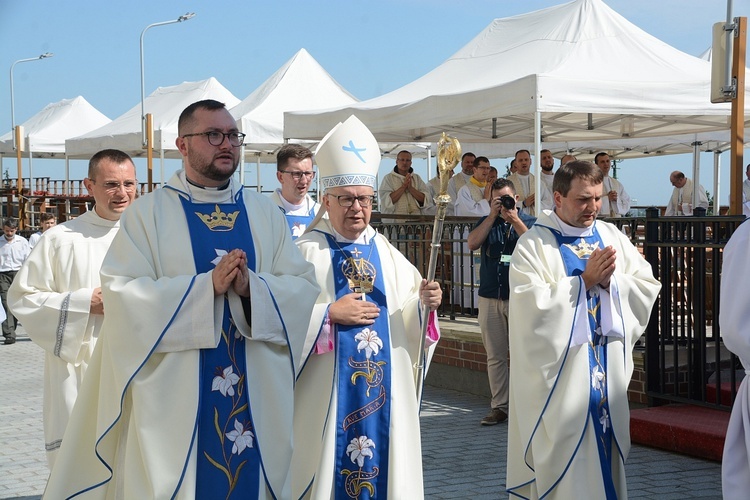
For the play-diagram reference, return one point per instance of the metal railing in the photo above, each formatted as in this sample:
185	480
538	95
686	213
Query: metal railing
685	358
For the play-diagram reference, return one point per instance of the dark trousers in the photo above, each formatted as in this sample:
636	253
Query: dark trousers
9	325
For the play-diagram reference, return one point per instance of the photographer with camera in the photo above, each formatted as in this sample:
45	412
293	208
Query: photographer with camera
497	235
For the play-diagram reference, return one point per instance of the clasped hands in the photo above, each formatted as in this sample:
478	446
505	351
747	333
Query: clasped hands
599	268
231	272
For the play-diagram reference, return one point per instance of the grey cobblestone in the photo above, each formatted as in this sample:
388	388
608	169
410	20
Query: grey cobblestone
461	458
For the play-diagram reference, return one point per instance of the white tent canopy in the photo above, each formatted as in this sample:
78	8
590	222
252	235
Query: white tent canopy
45	132
300	84
577	73
166	105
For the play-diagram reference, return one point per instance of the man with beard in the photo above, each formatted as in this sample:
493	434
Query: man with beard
403	191
189	391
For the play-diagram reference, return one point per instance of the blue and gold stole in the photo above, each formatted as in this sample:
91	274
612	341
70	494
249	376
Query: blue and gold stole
228	455
298	223
363	366
575	251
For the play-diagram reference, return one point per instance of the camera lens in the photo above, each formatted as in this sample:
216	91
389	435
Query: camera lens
508	202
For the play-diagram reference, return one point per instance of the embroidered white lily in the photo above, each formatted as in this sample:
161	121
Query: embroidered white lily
219	254
369	341
597	379
240	437
359	448
225	382
604	420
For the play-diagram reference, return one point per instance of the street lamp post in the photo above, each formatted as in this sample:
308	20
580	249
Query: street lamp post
12	101
184	17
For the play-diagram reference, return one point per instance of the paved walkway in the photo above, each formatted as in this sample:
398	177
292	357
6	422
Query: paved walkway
461	458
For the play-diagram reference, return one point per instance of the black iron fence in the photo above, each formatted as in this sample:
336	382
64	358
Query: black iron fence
685	358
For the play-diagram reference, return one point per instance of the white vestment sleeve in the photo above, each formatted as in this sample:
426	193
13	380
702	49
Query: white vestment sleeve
734	319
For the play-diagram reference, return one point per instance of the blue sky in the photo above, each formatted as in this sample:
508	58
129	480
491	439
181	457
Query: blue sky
369	47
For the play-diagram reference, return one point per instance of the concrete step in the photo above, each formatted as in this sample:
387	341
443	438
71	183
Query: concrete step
681	428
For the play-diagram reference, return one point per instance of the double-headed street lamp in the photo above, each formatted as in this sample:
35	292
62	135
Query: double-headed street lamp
184	17
12	102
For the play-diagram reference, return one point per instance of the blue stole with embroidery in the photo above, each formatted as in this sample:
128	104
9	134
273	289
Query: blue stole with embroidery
228	455
363	365
298	223
575	251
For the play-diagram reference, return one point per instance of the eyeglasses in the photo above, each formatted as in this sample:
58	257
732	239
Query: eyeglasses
347	201
114	186
216	138
482	168
298	175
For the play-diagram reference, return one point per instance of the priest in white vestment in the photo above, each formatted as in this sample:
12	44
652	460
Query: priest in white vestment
356	407
681	201
524	182
734	319
403	191
57	294
473	199
615	200
201	263
459	180
581	296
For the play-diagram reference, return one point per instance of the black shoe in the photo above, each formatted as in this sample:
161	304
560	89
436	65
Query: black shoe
494	417
9	341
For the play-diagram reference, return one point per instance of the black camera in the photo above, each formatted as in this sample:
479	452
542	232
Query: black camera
508	202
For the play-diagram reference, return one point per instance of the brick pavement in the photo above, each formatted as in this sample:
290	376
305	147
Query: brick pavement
461	458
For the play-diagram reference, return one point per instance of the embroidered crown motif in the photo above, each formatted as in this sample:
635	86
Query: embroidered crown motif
583	250
218	220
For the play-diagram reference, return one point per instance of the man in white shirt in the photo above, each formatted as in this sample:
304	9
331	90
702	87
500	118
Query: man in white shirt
402	191
294	170
57	293
14	249
615	200
681	201
459	180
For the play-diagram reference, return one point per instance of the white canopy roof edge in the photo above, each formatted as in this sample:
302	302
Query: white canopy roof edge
577	72
45	132
166	105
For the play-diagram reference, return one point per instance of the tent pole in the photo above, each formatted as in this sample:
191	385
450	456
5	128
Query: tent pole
537	155
161	167
257	168
737	125
66	186
150	151
19	184
717	183
696	173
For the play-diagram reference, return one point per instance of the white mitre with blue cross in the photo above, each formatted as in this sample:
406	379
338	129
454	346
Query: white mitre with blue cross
348	155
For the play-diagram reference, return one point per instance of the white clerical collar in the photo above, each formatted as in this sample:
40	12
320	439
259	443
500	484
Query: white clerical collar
290	207
207	195
568	230
364	237
522	176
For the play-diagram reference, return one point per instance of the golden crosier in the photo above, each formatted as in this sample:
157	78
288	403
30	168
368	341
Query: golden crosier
448	156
